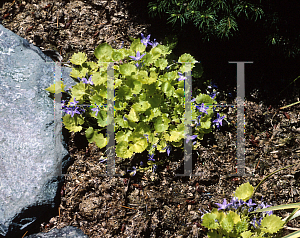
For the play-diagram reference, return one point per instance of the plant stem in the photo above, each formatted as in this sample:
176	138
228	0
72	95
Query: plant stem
256	188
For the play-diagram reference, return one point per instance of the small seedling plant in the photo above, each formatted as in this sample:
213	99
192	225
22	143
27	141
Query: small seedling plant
149	99
241	217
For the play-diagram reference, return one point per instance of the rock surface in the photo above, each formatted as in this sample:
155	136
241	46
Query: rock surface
31	163
68	232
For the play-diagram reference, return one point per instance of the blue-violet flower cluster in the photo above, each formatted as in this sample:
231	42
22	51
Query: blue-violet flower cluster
245	207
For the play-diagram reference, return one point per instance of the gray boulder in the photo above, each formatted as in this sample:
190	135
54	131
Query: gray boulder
32	159
68	232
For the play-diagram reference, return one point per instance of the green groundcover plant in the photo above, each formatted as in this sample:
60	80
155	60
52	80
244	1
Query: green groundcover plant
241	217
148	102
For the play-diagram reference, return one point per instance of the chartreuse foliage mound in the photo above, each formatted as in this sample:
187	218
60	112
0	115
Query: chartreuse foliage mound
149	99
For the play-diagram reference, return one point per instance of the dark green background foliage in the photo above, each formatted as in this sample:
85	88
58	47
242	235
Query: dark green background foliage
265	32
222	19
213	18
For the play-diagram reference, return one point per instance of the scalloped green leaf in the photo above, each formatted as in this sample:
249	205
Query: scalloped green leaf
51	89
89	133
161	124
220	215
78	91
186	67
174	136
103	66
164	49
186	58
227	224
132	116
161	63
179	110
123	136
102	118
123	150
206	124
181	127
98	79
152	113
143	128
209	221
177	144
101	90
141	106
100	141
142	76
179	92
124	93
116	55
121	122
93	136
171	76
97	99
103	52
118	82
235	217
152	139
148	59
139	145
142	96
78	58
123	51
244	191
92	66
241	226
155	100
152	78
79	72
175	119
214	234
180	83
161	145
150	89
72	123
137	45
246	234
204	98
155	53
120	105
271	224
127	69
129	52
134	85
168	89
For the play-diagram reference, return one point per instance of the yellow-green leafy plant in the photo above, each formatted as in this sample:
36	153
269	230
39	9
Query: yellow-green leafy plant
149	99
241	217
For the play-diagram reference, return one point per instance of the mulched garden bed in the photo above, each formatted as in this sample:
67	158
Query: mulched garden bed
156	204
161	204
